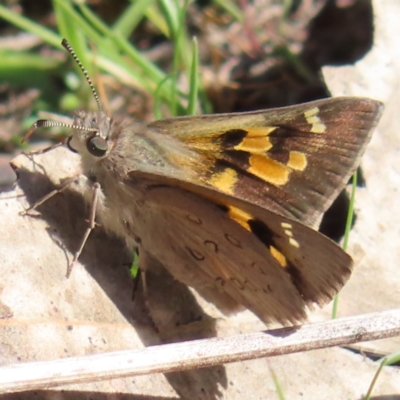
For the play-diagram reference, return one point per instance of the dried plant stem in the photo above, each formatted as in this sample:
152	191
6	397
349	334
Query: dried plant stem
200	353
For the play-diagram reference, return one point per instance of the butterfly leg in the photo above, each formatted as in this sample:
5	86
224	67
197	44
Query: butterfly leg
45	150
48	196
143	263
92	224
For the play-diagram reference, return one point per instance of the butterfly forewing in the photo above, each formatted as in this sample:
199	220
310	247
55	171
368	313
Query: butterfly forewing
293	160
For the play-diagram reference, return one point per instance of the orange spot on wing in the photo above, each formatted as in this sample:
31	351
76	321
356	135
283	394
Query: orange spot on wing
258	131
225	180
278	256
254	144
240	216
268	170
312	117
256	139
297	161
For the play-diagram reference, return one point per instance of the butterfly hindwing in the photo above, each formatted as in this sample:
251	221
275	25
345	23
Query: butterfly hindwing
273	266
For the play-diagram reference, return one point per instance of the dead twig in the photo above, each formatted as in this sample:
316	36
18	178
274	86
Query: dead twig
199	353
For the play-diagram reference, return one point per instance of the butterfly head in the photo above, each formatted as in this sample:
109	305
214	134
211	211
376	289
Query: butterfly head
92	134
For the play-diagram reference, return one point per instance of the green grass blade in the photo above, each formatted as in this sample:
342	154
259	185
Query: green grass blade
374	380
72	20
349	223
393	358
278	387
29	26
171	16
194	80
231	8
131	17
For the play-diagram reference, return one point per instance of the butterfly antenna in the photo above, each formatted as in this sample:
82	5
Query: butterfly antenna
45	123
71	51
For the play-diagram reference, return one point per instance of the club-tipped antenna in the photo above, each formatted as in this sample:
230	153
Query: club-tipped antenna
45	123
71	51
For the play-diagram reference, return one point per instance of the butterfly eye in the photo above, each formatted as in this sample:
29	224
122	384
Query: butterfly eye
97	146
69	145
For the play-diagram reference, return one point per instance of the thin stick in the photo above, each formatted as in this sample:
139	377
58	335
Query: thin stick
199	353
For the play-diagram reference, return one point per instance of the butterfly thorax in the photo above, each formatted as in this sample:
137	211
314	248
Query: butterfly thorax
125	146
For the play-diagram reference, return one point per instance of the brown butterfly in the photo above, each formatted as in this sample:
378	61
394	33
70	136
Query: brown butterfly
226	201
